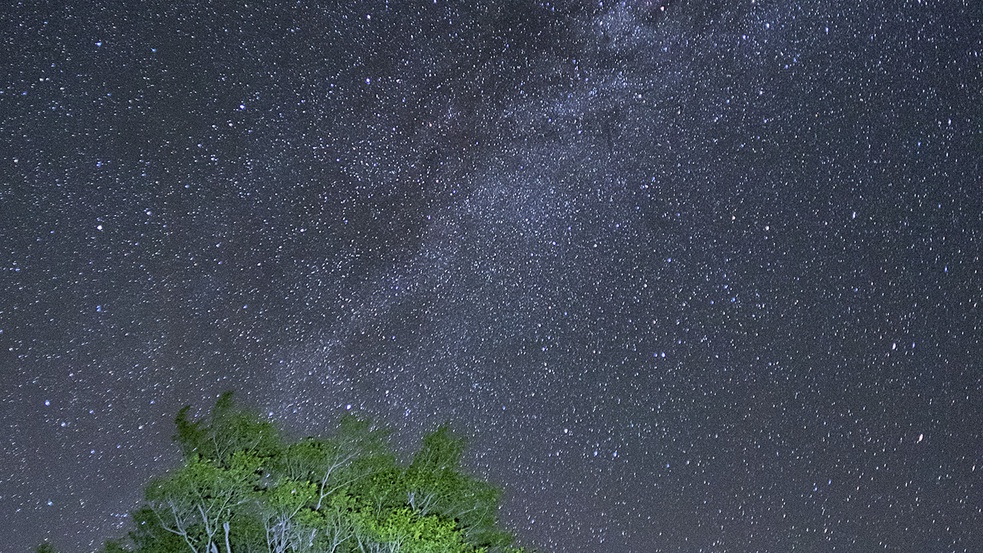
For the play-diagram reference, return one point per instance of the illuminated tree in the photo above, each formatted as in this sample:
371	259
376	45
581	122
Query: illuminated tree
243	489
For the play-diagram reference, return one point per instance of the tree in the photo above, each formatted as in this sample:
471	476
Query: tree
113	546
435	483
404	530
243	488
227	430
335	463
149	536
202	498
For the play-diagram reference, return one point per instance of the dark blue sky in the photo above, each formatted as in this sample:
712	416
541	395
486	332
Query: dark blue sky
695	276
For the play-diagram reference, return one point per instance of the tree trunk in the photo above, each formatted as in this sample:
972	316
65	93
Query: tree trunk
228	547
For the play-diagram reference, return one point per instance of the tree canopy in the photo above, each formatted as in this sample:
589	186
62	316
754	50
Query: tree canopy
243	487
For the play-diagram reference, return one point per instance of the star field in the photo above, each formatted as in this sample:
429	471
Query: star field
694	276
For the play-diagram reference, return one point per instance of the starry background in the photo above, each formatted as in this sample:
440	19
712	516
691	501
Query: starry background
695	276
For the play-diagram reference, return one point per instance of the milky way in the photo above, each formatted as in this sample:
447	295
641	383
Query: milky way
693	276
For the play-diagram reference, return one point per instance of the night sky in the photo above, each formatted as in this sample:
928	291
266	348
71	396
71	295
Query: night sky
694	276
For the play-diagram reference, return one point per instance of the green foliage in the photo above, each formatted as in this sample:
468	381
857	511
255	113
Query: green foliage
242	488
226	431
441	451
113	546
149	536
404	530
434	483
45	548
200	500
